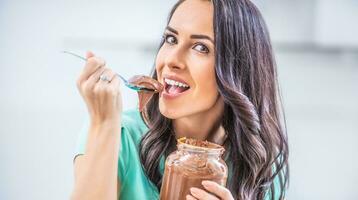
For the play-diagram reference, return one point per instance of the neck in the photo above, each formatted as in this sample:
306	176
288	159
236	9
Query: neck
200	125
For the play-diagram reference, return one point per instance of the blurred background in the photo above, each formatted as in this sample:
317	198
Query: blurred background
41	112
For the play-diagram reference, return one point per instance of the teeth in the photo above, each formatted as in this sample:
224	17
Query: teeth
176	83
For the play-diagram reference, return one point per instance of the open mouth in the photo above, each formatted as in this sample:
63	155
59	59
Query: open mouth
173	87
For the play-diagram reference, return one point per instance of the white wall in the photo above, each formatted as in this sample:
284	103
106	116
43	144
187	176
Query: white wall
336	23
41	111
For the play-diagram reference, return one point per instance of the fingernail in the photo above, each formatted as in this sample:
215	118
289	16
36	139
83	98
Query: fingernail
193	190
205	183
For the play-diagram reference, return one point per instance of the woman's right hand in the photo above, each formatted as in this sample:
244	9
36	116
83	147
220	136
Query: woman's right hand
99	164
103	98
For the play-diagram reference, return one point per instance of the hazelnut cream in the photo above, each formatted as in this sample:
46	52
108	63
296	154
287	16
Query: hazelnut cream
193	162
146	82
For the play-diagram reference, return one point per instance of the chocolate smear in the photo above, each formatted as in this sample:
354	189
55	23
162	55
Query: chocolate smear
146	82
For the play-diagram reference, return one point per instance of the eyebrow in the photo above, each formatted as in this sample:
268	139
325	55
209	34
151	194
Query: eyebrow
172	30
196	36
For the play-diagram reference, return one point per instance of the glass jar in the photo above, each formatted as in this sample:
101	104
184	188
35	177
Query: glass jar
193	162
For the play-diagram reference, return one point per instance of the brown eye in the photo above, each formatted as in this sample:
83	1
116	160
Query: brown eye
201	48
170	39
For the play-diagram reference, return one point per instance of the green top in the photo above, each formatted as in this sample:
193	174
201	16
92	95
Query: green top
133	180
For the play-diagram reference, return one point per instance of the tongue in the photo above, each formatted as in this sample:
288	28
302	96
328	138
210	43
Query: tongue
175	90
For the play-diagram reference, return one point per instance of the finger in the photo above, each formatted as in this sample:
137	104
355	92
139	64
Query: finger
103	86
115	82
201	194
107	89
107	73
189	197
114	86
92	64
92	80
217	189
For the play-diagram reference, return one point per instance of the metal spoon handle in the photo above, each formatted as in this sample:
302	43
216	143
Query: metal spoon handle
129	85
75	55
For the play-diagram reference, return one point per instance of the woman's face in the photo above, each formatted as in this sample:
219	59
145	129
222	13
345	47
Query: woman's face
185	62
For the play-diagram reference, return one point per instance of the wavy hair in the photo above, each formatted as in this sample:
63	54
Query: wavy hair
253	118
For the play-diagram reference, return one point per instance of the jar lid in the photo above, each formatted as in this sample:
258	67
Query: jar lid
200	146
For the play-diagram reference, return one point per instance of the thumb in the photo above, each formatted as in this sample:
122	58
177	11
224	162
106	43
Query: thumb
89	54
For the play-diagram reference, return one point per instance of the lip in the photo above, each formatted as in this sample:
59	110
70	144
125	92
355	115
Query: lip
175	78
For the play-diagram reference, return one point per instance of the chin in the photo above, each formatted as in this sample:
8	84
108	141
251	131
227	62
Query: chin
170	113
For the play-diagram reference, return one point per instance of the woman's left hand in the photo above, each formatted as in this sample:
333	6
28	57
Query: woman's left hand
214	192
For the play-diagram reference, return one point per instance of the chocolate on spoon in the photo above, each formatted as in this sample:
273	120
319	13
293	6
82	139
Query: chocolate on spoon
146	82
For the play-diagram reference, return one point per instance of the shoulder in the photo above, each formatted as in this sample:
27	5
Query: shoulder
132	117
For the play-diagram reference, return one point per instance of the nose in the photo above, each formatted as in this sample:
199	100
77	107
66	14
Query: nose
175	59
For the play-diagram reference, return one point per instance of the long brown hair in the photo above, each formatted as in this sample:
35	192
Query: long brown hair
253	116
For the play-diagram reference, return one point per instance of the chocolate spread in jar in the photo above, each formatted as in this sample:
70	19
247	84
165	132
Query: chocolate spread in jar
147	82
193	162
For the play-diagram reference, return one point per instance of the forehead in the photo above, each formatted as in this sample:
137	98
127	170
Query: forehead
193	17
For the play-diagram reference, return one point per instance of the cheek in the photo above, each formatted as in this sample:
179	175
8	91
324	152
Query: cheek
204	75
206	89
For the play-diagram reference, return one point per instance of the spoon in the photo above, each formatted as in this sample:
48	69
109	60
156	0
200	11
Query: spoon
126	82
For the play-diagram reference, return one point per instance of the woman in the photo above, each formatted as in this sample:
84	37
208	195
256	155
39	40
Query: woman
217	66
